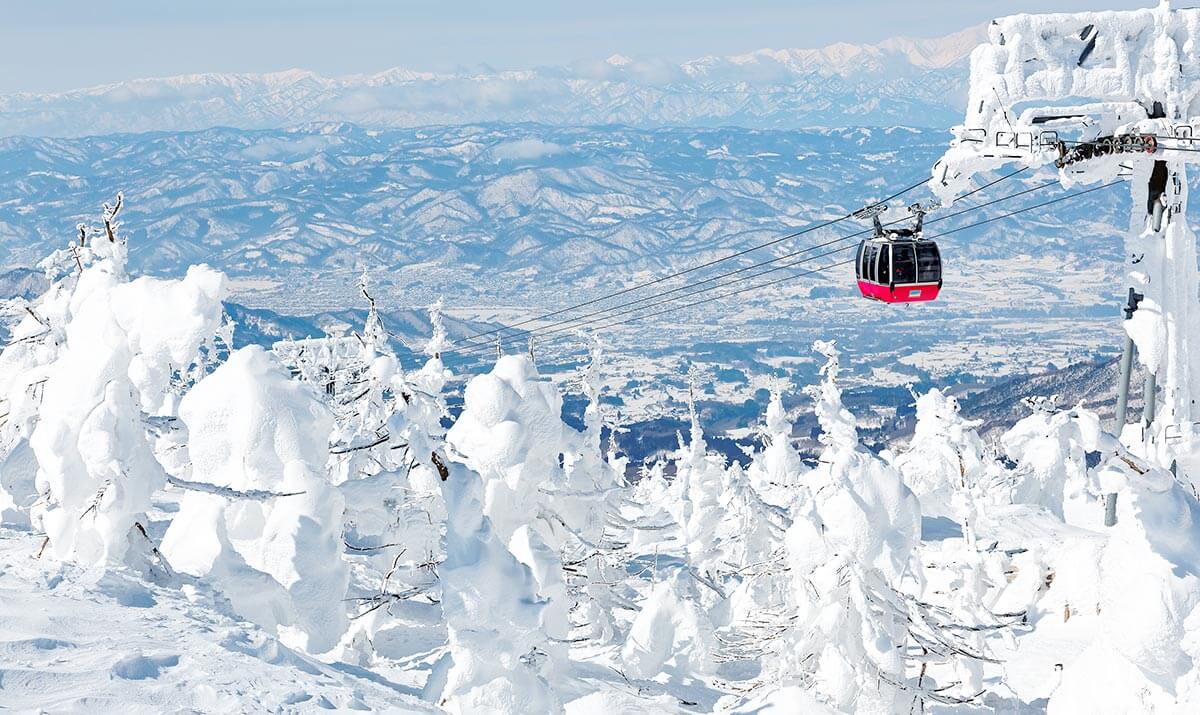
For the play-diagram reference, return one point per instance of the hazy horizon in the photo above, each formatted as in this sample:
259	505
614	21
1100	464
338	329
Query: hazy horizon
70	44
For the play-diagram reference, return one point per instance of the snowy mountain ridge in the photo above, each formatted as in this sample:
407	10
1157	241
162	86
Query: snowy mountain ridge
898	81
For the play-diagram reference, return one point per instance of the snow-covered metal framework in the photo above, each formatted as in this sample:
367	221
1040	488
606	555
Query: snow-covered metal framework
1103	96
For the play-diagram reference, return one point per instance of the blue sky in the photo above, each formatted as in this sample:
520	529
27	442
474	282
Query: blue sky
52	45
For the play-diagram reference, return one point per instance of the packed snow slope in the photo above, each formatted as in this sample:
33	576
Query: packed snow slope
92	640
901	80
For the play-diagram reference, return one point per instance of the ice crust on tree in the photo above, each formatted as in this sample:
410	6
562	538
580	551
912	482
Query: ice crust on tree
671	628
945	463
512	434
851	539
1050	450
122	344
497	645
776	470
695	498
250	426
1145	656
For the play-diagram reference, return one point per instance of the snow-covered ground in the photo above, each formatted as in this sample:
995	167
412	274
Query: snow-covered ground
74	639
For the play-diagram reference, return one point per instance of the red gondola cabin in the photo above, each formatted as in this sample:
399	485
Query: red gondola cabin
899	270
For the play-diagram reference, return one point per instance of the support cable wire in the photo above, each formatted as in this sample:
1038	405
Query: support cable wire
843	263
467	347
599	324
687	289
693	269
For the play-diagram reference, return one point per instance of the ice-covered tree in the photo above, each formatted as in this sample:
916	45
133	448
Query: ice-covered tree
589	503
850	547
671	630
511	433
648	513
497	656
364	404
750	538
267	530
387	430
696	498
125	347
944	463
1050	450
1147	646
776	470
34	344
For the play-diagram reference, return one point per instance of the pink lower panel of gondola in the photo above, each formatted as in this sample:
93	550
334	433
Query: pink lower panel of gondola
914	293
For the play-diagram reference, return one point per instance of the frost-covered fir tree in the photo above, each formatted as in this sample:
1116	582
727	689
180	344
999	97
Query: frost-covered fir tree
34	344
649	511
776	470
361	439
671	631
121	347
589	502
696	496
859	639
267	533
848	548
1147	649
1050	449
511	433
387	430
944	463
497	656
754	560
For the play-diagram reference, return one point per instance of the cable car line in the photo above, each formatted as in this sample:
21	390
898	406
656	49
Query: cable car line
731	293
553	328
600	324
843	263
476	357
658	299
627	311
1029	208
713	262
519	333
785	256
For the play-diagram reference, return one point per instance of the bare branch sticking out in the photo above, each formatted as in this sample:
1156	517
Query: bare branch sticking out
228	492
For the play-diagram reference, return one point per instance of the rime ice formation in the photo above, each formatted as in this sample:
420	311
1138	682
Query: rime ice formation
848	542
250	427
112	351
1050	452
944	463
511	433
777	469
497	646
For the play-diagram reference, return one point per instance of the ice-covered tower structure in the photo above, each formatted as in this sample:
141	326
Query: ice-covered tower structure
1103	96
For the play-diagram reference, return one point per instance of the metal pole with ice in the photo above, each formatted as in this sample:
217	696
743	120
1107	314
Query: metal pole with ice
1099	97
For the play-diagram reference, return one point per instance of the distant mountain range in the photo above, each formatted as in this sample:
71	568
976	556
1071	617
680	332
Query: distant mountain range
901	81
473	211
505	219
